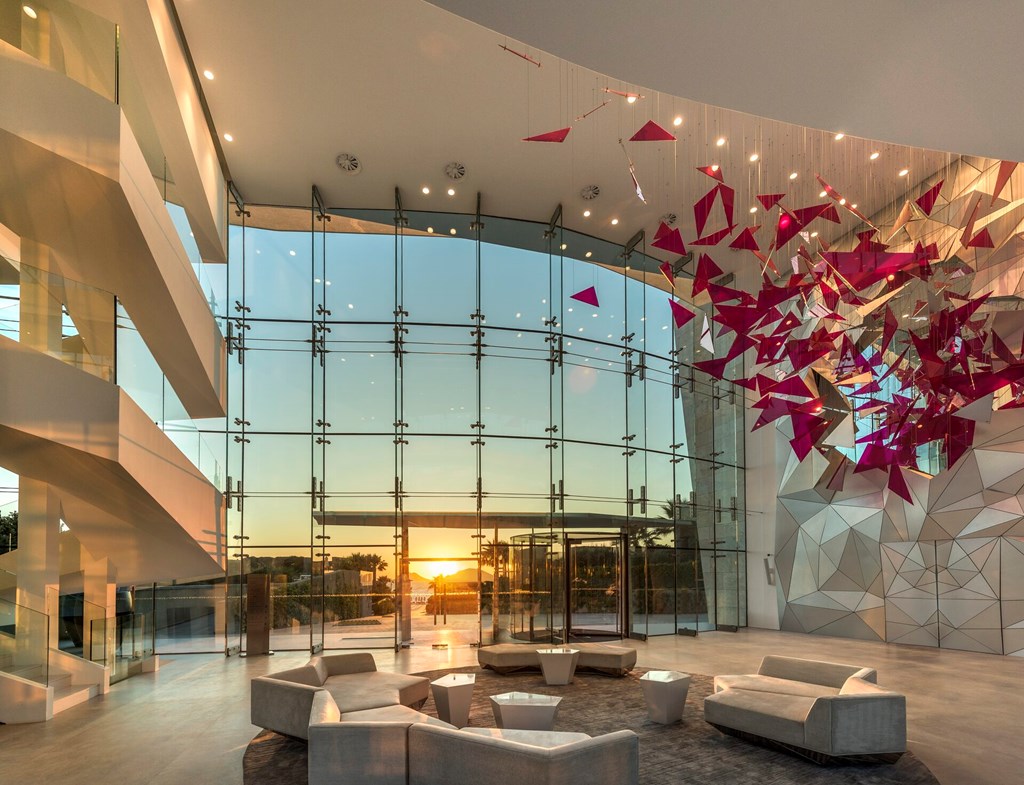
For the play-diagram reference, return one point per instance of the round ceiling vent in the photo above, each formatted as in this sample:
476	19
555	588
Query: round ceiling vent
589	192
349	163
455	170
669	219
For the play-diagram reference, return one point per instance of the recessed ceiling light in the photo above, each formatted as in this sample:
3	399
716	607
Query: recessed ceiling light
631	99
425	190
30	12
615	221
814	234
430	230
853	206
721	141
874	155
714	167
839	136
903	172
208	74
451	192
564	246
753	209
754	157
451	231
228	138
291	253
792	175
588	254
678	121
842	201
823	194
586	213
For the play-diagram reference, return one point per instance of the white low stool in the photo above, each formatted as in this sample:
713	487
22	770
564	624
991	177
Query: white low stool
525	711
453	695
665	695
558	665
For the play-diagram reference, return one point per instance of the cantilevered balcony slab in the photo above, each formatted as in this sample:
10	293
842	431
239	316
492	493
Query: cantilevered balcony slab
75	179
136	497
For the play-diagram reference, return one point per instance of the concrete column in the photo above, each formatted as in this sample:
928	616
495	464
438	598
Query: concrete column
38	566
100	593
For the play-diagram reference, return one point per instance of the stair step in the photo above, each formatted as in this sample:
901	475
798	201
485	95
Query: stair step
66	697
59	680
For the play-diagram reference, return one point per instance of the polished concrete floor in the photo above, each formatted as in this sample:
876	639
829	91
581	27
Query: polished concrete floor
188	724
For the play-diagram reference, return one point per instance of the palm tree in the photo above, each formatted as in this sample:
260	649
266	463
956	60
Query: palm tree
496	554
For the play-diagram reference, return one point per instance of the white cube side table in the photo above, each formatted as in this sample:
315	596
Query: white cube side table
558	665
453	695
525	711
665	695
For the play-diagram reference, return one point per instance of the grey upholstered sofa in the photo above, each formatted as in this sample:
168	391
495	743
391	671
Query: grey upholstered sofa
600	657
823	711
283	701
446	756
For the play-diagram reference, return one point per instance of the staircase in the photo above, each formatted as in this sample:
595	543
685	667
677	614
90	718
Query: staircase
65	694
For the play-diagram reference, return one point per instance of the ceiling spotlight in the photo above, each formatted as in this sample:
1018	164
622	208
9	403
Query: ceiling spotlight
228	138
678	121
451	231
564	246
430	230
30	12
753	209
891	277
631	99
425	190
792	175
615	221
721	141
588	254
208	74
814	234
823	194
839	136
586	213
853	206
714	167
903	172
754	157
451	192
874	155
842	201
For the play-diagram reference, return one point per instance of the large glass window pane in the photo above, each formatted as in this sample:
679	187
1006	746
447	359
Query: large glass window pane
360	379
278	274
439	381
278	464
594	404
359	283
277	520
439	279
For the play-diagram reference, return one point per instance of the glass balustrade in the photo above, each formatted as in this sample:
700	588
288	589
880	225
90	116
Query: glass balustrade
24	642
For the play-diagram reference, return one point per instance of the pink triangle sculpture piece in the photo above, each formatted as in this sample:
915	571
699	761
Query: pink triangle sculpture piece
588	296
652	132
680	315
550	136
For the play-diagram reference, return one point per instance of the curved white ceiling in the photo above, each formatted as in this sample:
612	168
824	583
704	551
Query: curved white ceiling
939	74
409	87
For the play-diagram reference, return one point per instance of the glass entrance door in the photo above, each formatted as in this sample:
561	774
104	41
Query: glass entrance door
594	607
443	600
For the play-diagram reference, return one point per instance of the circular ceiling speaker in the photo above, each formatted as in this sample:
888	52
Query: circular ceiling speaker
349	164
589	192
455	171
669	219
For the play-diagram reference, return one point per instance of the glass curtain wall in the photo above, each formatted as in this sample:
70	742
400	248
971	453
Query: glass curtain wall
430	440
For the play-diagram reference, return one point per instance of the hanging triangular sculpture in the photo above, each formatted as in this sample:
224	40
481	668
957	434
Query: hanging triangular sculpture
652	132
550	136
588	296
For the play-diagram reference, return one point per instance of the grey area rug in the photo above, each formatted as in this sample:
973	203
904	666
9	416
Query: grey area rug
690	751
